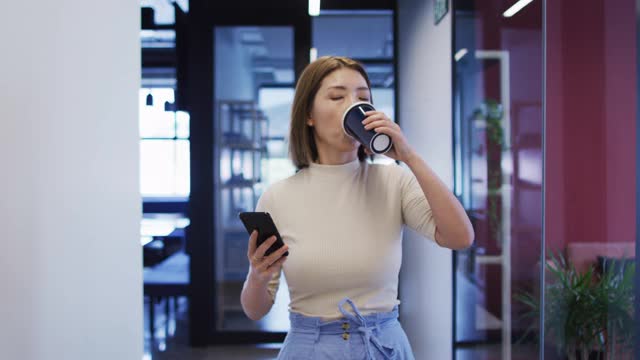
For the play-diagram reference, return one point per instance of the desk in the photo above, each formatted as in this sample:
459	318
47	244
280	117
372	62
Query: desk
159	225
161	235
169	279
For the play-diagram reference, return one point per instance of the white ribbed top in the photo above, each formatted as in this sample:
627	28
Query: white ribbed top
343	225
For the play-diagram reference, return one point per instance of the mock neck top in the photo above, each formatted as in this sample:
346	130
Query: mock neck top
335	170
343	225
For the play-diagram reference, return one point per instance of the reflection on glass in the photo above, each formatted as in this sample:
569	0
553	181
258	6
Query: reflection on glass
498	177
356	35
276	104
254	92
590	221
254	88
368	38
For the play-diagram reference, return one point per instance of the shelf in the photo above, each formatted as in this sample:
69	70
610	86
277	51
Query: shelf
241	145
527	185
239	184
244	146
528	141
249	116
234	230
527	229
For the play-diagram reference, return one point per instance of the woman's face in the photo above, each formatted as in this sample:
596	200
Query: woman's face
337	92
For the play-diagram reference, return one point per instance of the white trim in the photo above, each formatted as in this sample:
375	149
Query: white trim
515	8
505	257
348	109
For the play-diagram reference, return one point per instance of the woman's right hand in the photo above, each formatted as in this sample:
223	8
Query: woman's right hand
264	267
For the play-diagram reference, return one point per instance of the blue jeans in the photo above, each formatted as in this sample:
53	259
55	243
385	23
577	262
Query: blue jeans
353	337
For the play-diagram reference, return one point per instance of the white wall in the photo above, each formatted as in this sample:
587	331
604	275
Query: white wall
70	259
425	116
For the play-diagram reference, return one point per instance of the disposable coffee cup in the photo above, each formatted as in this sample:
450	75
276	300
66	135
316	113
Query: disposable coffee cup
352	124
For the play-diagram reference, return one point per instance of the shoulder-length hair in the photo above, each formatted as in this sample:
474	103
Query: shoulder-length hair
302	144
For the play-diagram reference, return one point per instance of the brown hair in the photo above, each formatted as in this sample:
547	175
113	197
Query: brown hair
302	144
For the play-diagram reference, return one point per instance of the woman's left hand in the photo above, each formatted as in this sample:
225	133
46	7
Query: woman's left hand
380	122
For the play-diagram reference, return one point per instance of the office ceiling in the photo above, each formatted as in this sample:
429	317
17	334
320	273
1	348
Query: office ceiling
366	36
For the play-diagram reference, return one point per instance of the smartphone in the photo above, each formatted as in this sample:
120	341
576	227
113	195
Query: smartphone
263	223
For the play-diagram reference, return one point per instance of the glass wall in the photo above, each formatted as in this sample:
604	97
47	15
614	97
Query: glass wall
366	36
254	81
590	186
498	175
254	88
545	112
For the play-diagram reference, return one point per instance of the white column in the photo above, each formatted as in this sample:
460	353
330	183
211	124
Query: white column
70	256
424	64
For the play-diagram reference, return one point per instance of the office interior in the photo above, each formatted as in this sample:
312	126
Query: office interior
136	132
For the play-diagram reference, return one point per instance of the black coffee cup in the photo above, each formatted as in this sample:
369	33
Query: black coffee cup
352	124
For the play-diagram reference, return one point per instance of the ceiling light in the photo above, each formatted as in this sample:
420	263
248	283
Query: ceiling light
460	54
516	7
314	7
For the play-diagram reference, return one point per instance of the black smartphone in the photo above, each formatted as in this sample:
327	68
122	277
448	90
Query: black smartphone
263	223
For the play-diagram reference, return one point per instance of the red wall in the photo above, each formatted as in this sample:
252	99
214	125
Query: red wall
590	125
590	122
590	109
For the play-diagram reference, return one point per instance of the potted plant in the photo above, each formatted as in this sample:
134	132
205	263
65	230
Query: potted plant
586	312
489	117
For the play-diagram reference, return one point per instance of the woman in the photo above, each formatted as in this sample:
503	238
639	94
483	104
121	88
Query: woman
341	220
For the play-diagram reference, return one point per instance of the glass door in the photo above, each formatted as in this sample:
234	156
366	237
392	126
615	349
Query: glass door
244	58
498	176
546	120
253	85
589	304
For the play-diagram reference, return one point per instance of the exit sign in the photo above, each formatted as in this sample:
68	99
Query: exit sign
441	9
